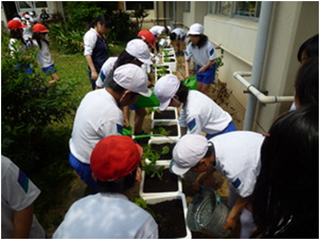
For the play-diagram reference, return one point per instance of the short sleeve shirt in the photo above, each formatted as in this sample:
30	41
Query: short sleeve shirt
238	159
97	117
106	216
17	193
90	39
44	57
106	72
157	30
201	55
202	114
180	32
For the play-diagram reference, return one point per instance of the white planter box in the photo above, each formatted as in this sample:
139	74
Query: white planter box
159	123
157	71
172	109
172	65
158	199
161	141
148	194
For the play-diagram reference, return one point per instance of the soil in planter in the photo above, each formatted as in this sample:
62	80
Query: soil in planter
167	183
170	218
167	114
158	148
171	130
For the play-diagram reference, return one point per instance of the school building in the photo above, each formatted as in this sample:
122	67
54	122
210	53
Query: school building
259	42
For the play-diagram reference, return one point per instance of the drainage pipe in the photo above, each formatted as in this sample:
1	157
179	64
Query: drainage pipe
259	95
258	60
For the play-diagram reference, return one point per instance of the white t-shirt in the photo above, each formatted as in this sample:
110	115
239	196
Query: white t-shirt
180	32
90	39
106	216
17	193
238	159
106	72
201	55
157	30
97	117
202	114
44	57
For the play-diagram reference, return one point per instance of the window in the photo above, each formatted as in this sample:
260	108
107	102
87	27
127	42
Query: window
134	5
26	6
248	10
187	6
41	4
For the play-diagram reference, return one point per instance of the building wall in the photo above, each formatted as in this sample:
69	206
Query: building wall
291	24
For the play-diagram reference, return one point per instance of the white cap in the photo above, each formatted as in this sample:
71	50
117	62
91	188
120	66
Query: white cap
27	16
31	19
166	87
169	29
132	77
139	49
16	18
23	19
196	29
188	151
31	13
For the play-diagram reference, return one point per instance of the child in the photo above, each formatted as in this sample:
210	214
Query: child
18	45
18	194
236	155
157	32
198	114
44	57
201	50
109	214
179	36
285	199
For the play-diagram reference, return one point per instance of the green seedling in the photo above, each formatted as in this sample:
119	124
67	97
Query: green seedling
144	205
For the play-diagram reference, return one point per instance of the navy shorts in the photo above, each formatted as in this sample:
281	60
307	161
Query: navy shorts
208	76
84	171
230	128
49	70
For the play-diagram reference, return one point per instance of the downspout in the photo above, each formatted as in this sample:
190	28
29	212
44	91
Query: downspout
258	61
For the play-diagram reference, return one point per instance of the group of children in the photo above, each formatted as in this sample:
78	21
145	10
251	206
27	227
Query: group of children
26	34
269	201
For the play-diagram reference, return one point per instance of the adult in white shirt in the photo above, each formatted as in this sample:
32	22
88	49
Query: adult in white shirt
99	115
198	114
236	155
109	214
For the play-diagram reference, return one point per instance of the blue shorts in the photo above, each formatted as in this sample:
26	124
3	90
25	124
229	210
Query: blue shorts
208	76
49	70
230	128
182	38
84	171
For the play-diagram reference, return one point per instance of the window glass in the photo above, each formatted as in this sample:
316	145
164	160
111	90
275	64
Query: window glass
248	9
226	8
187	6
24	4
213	7
41	4
133	5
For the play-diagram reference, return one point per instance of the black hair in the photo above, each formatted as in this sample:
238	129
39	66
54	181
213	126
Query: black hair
17	34
173	36
117	186
36	36
124	58
202	42
307	82
104	20
182	93
285	198
310	46
116	87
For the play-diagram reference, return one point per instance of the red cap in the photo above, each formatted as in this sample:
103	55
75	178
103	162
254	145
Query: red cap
148	36
15	24
115	157
38	27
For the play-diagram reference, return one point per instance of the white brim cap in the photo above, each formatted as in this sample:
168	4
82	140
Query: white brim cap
132	77
166	87
196	29
139	49
188	151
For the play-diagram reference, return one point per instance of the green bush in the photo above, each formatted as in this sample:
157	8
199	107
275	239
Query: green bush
26	108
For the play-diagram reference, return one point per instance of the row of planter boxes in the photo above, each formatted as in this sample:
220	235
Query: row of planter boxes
170	60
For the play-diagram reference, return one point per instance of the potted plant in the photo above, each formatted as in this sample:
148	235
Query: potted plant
165	129
170	113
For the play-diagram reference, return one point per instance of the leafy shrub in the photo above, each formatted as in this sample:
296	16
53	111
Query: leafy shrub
26	109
